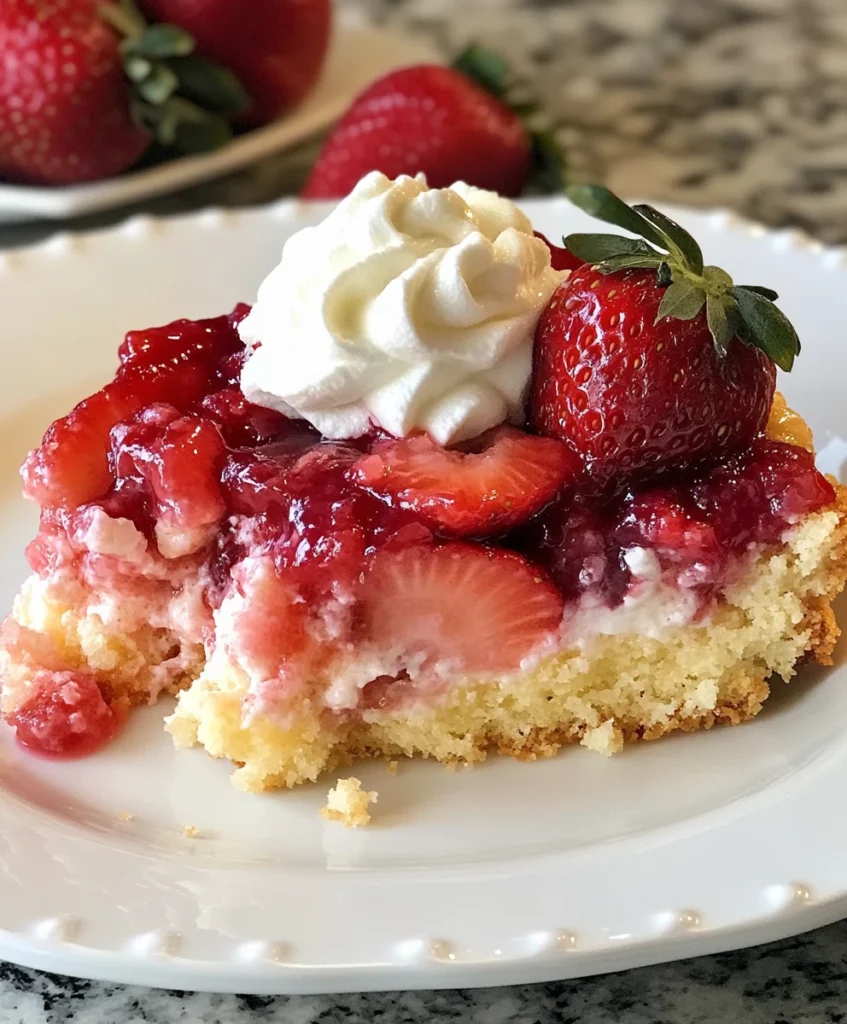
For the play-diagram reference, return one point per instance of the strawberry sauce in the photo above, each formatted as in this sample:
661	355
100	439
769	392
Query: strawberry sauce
66	718
172	445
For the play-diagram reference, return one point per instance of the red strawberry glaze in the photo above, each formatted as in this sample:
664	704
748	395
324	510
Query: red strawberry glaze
698	526
265	504
175	365
66	718
242	424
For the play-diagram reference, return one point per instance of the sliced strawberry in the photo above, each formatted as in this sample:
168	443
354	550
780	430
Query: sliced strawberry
468	607
270	633
507	480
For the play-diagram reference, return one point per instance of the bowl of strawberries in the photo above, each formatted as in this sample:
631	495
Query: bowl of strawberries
107	104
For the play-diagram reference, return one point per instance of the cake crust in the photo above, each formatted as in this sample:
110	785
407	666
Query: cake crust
777	615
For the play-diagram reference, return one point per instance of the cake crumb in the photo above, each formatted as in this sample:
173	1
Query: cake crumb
392	767
348	803
605	739
190	831
126	816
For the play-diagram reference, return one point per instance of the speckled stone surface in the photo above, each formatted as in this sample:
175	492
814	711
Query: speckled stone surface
736	103
799	981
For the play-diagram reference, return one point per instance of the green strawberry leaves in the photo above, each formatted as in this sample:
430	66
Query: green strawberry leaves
548	160
213	87
605	205
677	236
182	99
768	293
682	300
162	41
488	69
597	248
769	328
721	326
743	311
633	262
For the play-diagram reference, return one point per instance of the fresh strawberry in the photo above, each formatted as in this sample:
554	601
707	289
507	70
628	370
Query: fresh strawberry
508	477
560	258
275	47
646	360
472	608
454	124
64	104
87	85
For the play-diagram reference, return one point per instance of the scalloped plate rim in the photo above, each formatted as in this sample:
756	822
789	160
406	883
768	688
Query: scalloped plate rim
452	934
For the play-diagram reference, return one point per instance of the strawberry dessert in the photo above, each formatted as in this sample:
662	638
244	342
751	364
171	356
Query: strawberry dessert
446	489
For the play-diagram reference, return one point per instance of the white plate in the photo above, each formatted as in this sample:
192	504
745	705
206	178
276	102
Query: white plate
358	54
507	873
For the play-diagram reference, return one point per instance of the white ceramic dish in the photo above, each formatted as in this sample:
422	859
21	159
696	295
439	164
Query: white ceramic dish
358	54
507	873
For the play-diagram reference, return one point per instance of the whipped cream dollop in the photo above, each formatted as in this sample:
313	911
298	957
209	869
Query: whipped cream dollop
408	307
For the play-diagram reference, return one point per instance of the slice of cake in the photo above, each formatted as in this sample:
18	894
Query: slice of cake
445	490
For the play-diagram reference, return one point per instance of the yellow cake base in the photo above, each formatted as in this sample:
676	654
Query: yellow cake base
620	688
56	626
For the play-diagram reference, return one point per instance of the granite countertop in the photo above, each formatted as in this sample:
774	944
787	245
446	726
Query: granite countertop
735	103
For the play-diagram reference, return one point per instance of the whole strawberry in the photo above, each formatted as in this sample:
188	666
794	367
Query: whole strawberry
64	102
647	361
87	85
276	48
453	124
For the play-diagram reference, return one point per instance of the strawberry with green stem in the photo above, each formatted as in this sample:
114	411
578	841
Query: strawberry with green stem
183	100
747	311
86	87
648	360
467	122
275	47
